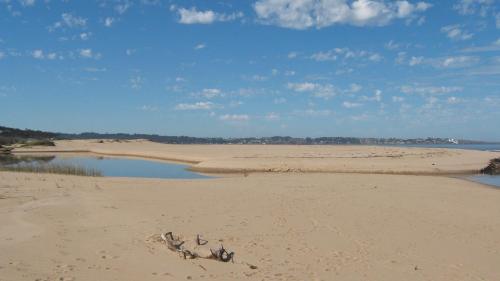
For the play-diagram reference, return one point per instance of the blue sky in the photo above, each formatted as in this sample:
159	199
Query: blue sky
369	68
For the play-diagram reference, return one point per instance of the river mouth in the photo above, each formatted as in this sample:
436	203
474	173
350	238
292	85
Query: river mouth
95	165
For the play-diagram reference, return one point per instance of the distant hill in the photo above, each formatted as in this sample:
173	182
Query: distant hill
271	140
12	135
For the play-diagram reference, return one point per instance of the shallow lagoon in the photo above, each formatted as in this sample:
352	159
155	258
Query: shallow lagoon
487	179
110	166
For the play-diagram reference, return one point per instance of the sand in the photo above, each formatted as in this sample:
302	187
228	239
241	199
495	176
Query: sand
292	158
291	225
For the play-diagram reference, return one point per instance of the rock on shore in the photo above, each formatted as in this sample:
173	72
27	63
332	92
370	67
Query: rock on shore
493	168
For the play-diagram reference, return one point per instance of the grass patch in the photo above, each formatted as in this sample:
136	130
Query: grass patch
38	143
53	169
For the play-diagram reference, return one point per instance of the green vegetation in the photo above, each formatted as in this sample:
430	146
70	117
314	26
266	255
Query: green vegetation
38	143
52	169
9	136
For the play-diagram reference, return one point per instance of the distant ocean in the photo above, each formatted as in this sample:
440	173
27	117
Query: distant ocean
482	147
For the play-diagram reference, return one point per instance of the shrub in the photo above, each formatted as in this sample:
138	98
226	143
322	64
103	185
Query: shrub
52	169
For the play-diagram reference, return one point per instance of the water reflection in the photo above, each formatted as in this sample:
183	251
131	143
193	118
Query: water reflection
106	166
11	159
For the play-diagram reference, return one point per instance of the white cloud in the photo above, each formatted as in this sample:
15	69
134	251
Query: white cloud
272	116
38	54
497	20
391	45
235	103
398	99
325	91
121	8
85	36
258	78
354	88
375	57
88	54
348	104
401	58
151	2
455	62
200	46
27	3
136	82
453	100
303	87
7	90
94	69
149	108
130	52
494	46
345	53
69	21
324	56
193	16
377	96
455	32
313	112
51	56
303	14
234	117
429	90
292	55
2	55
279	100
290	73
211	93
416	61
361	117
469	7
108	22
195	106
440	62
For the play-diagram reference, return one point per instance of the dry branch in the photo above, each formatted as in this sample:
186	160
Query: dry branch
174	243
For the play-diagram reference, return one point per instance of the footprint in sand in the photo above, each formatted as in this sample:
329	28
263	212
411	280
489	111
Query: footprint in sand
105	255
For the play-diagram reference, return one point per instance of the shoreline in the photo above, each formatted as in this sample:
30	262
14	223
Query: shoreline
123	155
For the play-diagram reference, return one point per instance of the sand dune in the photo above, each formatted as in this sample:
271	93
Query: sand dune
291	226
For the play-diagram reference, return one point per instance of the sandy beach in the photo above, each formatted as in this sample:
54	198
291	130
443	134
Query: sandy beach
293	212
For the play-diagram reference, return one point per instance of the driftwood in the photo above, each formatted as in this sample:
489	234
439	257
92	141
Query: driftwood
222	254
174	243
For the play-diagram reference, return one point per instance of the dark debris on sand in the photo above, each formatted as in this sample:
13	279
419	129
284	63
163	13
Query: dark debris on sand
493	168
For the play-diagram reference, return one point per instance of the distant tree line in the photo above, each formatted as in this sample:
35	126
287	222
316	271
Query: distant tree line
12	135
267	140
